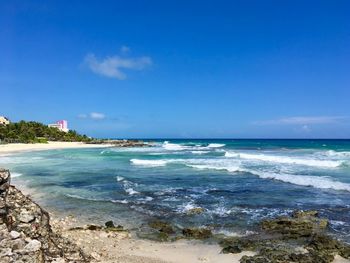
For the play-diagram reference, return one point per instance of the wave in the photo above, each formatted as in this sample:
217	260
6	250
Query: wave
120	178
229	168
14	175
285	159
149	163
131	191
174	147
199	152
320	182
332	153
216	145
85	198
124	201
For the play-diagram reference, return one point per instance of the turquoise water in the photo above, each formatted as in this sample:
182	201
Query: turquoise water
237	182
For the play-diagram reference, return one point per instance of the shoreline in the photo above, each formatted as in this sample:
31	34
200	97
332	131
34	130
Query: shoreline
13	148
123	247
110	245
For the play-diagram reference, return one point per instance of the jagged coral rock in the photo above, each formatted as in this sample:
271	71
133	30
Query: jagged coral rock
25	230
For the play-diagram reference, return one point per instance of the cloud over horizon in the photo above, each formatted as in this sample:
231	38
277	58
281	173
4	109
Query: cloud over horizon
114	66
92	115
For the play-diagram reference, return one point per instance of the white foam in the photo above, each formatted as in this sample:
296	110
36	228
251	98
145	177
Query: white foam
120	201
199	152
229	168
131	191
187	207
303	180
149	163
120	178
332	153
216	145
285	159
174	147
14	175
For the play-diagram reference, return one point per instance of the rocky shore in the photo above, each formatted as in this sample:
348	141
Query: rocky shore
120	143
25	230
28	235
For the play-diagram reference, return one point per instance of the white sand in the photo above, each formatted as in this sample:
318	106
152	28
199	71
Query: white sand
121	247
23	147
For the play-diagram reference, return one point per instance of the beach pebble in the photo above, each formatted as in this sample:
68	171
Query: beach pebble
25	216
58	260
32	246
14	234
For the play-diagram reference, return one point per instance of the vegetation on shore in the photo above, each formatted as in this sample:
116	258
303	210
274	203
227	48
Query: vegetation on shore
36	132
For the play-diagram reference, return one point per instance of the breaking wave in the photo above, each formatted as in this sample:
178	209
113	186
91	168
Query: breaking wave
149	163
216	145
285	159
320	182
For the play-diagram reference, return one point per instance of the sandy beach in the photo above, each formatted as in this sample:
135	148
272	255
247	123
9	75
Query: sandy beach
51	145
122	247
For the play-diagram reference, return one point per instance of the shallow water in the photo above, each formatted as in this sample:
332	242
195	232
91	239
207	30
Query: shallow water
237	182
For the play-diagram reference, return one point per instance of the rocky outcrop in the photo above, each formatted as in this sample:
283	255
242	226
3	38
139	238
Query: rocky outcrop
25	231
301	238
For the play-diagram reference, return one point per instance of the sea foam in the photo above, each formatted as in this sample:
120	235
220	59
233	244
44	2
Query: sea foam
149	163
320	182
216	145
285	159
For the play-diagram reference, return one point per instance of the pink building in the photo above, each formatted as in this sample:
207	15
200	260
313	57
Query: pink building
62	125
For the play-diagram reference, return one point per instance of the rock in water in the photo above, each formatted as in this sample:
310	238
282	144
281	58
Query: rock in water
197	233
162	226
109	224
195	211
231	249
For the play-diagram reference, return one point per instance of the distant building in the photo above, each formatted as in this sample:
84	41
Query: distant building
4	120
62	125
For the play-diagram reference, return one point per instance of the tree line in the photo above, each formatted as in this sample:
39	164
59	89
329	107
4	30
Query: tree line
36	132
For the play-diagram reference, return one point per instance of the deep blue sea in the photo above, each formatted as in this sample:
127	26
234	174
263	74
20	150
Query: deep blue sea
237	182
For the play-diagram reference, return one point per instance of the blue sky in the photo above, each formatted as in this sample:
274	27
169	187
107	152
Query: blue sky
223	69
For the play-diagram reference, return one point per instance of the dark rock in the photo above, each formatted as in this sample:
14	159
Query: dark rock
197	233
304	214
93	227
195	211
231	249
109	224
322	242
302	224
115	228
162	226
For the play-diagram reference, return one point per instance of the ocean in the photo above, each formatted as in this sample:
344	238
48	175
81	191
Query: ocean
237	182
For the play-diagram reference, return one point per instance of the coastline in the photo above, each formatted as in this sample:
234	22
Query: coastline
124	246
94	243
13	148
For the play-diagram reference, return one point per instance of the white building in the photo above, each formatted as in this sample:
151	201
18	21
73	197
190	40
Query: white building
4	120
62	125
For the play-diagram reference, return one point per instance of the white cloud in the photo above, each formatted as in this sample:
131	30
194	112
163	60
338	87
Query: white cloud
92	115
97	116
302	120
113	67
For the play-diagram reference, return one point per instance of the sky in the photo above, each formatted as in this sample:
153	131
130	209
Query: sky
179	69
